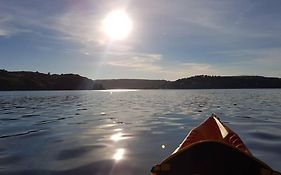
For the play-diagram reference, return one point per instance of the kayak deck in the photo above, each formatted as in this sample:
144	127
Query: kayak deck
213	129
212	148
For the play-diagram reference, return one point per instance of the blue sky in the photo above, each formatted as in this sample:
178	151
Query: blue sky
170	39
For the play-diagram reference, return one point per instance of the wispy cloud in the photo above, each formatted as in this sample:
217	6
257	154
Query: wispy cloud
181	70
4	32
136	61
3	28
158	66
264	61
7	29
261	54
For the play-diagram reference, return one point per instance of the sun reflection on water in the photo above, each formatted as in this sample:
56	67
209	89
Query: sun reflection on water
119	155
116	137
119	90
118	129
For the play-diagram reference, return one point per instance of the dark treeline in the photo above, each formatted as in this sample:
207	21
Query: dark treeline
133	84
196	82
22	80
225	82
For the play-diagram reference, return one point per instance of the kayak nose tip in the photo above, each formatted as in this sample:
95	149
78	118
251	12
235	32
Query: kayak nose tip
215	116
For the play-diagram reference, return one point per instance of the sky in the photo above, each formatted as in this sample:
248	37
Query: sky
170	39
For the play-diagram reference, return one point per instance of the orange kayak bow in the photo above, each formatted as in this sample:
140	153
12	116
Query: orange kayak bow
212	149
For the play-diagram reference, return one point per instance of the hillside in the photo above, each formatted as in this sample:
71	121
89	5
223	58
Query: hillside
225	82
133	84
22	80
195	82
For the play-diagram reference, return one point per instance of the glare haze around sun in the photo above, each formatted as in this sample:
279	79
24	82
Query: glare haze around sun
117	25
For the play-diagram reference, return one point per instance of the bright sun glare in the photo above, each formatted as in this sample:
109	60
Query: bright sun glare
119	154
117	25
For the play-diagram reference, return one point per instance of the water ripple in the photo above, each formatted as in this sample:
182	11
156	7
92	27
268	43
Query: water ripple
77	152
21	133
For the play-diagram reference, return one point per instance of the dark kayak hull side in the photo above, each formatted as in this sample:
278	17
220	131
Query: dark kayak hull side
212	149
209	158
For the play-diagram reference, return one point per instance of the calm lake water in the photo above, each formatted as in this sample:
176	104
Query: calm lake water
123	132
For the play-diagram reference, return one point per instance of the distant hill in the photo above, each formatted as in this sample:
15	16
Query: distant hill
225	82
195	82
22	80
133	84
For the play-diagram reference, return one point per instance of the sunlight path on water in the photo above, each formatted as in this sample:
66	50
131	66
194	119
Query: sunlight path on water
120	90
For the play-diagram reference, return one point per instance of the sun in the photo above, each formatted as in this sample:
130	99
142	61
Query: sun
117	25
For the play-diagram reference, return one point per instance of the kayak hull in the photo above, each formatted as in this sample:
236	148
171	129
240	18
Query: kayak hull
213	129
209	158
212	148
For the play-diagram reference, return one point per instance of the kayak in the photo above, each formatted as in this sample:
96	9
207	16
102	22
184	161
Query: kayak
212	149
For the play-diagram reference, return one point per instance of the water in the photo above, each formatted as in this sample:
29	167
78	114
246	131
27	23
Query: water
125	132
